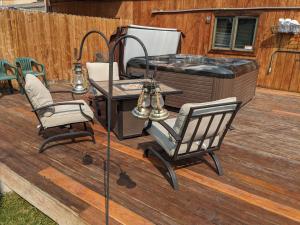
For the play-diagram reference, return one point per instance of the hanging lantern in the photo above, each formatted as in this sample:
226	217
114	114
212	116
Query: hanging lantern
142	110
157	104
79	83
150	103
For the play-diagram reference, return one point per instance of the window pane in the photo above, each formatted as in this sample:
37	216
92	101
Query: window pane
223	32
245	33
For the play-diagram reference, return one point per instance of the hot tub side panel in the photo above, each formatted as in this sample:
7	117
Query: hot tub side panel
199	89
243	87
195	88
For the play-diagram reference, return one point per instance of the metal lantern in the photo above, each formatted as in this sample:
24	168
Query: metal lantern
157	104
79	83
142	110
154	111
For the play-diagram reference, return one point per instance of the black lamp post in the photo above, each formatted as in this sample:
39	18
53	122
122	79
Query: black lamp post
110	94
109	101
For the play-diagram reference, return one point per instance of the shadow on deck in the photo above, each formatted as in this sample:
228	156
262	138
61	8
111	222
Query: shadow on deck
261	161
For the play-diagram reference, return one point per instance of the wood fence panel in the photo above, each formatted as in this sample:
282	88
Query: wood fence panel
51	38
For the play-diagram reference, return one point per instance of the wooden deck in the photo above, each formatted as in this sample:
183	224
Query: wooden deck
261	161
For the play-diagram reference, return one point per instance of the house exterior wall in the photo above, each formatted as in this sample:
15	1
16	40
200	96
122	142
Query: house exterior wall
15	2
198	32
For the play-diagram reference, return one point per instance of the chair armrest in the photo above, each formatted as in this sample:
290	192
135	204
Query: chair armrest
63	91
80	104
39	64
12	67
170	130
59	103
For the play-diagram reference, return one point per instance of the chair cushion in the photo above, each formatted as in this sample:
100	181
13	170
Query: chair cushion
38	94
185	109
161	135
99	71
67	114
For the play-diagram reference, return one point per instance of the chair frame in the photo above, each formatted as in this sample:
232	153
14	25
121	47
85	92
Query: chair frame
33	63
7	66
167	160
64	136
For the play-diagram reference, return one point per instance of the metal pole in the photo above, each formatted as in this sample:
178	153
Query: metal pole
109	102
107	163
265	8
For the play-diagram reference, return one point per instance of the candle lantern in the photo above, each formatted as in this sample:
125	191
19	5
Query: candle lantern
79	82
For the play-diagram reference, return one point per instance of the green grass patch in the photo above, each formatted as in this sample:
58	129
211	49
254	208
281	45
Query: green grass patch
14	210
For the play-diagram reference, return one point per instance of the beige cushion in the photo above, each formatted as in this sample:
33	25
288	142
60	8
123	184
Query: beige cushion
99	71
185	109
38	94
67	114
161	135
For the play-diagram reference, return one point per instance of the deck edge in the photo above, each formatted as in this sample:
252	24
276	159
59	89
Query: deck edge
37	197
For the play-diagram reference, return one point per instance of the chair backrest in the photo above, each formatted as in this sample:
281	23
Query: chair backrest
99	71
204	124
24	63
6	68
37	94
3	69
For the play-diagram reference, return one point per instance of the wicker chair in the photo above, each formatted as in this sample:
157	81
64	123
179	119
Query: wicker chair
199	129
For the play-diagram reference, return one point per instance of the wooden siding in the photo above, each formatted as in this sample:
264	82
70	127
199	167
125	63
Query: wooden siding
285	73
109	9
51	38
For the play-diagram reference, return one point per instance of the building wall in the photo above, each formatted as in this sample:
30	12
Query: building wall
15	2
109	9
285	73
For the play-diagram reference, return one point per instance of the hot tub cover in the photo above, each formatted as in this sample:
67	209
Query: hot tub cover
228	68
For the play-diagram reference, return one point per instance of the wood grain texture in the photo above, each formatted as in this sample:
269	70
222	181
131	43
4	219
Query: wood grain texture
51	38
42	200
260	159
274	207
198	33
117	212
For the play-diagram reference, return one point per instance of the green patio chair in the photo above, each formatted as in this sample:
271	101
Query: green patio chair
30	66
7	73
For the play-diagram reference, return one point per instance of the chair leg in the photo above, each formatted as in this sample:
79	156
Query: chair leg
45	81
70	135
217	163
167	165
11	88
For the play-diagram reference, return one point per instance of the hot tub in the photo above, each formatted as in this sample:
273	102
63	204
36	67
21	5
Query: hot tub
200	78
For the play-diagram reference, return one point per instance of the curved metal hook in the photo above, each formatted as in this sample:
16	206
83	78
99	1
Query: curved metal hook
85	37
112	50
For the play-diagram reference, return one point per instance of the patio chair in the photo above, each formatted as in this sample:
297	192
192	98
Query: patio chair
7	73
197	130
99	71
30	66
53	115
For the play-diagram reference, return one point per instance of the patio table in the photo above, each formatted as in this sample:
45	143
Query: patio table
124	99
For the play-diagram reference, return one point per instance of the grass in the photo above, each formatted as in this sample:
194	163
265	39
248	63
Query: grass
14	210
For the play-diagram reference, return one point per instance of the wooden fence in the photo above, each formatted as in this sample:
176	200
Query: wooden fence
51	38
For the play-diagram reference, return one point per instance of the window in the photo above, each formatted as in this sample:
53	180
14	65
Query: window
234	33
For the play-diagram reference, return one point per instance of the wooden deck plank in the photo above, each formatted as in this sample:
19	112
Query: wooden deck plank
255	188
283	210
117	212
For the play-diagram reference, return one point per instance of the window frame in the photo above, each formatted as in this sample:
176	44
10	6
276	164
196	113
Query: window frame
234	33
